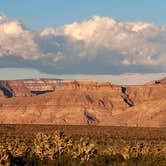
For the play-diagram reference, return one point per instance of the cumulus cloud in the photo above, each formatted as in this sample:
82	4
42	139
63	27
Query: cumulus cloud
135	43
98	45
17	40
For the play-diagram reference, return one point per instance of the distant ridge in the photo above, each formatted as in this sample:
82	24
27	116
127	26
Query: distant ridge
82	102
162	81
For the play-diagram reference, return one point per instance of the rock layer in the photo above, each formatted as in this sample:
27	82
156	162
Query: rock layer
83	102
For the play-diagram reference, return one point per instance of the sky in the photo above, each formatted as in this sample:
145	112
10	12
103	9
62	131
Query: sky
38	14
83	36
122	79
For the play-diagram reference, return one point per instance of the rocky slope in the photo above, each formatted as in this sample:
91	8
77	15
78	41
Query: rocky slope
53	101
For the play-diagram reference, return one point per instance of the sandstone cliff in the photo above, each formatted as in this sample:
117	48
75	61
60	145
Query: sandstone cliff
53	101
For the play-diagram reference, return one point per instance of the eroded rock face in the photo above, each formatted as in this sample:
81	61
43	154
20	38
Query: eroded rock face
83	102
14	89
163	81
1	94
29	87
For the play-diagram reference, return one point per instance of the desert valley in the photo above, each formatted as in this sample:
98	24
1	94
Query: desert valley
83	83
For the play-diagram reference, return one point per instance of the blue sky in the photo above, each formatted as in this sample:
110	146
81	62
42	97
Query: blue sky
37	14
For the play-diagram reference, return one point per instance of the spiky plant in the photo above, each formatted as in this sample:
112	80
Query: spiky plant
60	144
16	148
84	150
42	147
4	156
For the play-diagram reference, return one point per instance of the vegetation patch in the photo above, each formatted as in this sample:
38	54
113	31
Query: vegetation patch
59	147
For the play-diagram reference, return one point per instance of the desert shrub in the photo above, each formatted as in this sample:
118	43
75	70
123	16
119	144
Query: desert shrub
4	156
60	144
42	147
84	150
17	148
60	150
53	146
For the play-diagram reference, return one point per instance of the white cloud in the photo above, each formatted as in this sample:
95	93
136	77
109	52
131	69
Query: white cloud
17	40
48	32
11	28
136	43
100	44
140	26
